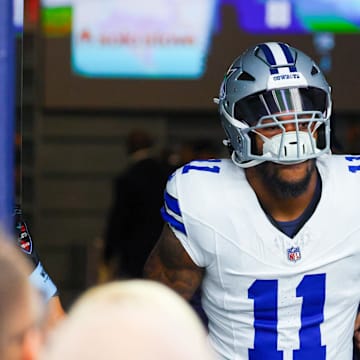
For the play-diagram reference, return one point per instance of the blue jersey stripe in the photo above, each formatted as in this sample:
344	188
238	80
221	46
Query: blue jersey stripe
172	203
172	221
288	56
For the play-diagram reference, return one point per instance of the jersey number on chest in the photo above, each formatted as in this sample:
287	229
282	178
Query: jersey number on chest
265	295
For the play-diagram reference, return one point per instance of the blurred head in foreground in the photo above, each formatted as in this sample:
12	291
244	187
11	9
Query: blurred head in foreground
21	308
130	319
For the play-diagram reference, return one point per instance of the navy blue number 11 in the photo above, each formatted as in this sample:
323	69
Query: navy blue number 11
264	293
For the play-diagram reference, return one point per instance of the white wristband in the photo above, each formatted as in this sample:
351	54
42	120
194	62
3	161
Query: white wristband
42	281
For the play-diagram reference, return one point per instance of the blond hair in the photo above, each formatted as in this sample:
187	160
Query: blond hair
130	319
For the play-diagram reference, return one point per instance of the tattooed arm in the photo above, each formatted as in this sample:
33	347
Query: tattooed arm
357	334
170	264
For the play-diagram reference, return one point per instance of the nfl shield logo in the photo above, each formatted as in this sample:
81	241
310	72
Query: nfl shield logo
294	254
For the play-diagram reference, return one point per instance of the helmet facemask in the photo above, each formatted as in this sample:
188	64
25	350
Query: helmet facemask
305	110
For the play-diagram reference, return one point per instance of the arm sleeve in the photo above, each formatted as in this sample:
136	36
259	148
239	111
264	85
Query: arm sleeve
39	277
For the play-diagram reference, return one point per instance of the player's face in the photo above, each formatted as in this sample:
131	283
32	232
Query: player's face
286	180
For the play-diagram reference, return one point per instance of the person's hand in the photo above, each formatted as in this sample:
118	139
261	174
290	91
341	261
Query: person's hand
357	332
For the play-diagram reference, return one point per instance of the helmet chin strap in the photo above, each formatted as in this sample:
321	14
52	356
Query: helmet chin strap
280	147
241	164
251	163
290	147
246	164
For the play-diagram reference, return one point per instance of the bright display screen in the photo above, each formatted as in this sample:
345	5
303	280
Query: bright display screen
137	38
171	39
109	53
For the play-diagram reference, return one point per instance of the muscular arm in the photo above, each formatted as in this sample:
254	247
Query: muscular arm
170	264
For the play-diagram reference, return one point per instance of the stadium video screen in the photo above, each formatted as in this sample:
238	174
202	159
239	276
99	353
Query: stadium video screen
178	50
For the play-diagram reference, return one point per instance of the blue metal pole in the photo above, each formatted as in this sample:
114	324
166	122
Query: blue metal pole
7	113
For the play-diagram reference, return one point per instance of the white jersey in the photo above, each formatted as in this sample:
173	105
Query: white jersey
268	296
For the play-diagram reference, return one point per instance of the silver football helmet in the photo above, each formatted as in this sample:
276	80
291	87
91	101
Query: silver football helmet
273	85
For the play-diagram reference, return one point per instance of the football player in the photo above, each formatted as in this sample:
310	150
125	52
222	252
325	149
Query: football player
272	234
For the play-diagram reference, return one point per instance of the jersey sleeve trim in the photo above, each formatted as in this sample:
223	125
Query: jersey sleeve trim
172	221
172	203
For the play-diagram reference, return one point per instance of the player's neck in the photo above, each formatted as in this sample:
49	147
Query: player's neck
282	208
